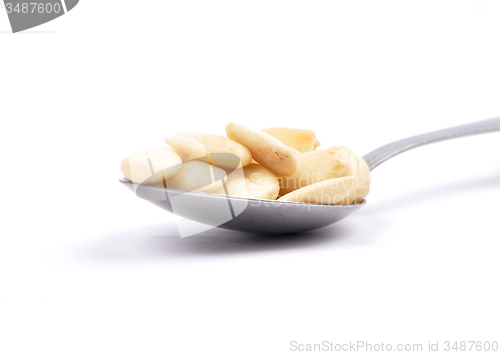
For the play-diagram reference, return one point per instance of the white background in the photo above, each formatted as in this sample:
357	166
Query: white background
88	268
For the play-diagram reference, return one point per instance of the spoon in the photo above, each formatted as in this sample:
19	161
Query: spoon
283	217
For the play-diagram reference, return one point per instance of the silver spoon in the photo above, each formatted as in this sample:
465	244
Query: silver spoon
279	217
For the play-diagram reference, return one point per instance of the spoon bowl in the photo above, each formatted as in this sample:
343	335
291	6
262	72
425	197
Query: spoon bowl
242	214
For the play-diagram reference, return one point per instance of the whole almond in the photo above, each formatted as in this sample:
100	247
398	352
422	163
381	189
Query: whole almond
312	167
340	191
183	156
253	181
365	180
266	150
151	166
303	140
350	159
211	148
198	176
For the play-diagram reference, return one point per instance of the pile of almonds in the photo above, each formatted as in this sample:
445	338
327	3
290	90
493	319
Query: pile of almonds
273	163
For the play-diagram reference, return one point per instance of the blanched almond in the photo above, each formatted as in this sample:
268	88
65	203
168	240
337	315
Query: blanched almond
338	191
266	150
211	148
183	156
350	159
303	140
198	176
295	151
253	181
149	166
312	167
364	177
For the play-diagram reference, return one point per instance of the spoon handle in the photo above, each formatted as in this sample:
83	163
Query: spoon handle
378	156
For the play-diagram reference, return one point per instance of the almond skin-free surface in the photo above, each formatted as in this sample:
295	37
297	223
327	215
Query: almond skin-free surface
196	175
253	181
221	151
365	180
312	167
151	165
266	150
350	159
340	191
303	140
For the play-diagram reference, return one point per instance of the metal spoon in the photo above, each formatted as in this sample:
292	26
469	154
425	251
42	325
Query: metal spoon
278	217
